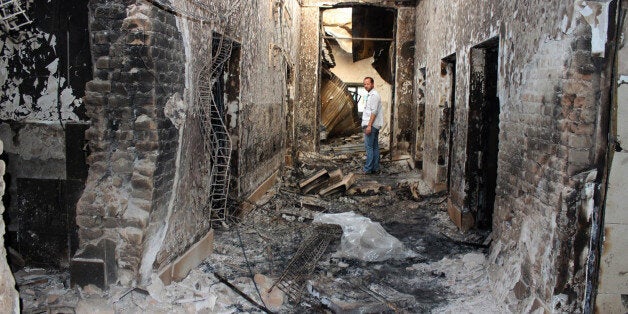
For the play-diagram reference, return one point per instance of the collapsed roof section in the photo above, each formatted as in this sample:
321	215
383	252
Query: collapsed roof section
354	31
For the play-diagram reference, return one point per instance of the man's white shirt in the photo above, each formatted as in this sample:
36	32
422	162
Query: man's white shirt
373	106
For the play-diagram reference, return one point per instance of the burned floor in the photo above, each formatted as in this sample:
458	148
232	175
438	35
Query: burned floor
436	266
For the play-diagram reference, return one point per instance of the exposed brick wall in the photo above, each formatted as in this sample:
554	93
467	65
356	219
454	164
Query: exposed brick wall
137	52
549	90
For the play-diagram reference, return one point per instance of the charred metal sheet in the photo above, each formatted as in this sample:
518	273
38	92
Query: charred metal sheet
338	110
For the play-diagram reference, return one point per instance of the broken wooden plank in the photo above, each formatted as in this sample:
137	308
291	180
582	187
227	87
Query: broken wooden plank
315	182
341	186
250	203
323	181
312	179
315	187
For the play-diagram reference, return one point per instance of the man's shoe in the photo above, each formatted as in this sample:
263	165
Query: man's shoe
376	172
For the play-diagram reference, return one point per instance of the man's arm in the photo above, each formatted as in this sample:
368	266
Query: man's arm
371	120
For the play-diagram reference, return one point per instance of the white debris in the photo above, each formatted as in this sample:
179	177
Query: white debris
364	239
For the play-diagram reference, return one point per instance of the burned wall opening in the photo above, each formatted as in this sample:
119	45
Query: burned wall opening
482	133
447	120
224	120
419	117
352	49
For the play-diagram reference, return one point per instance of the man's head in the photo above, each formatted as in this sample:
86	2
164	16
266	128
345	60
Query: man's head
369	83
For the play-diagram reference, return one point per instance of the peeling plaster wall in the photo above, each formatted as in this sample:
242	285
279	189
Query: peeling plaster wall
43	70
551	90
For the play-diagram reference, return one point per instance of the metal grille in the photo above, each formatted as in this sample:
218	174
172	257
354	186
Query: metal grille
13	16
216	139
216	142
303	263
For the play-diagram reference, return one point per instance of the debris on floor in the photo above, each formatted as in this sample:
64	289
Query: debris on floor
364	239
280	258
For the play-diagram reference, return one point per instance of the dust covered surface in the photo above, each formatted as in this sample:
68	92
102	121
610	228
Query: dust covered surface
447	272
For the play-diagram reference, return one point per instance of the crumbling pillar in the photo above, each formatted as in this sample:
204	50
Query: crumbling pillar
401	130
306	109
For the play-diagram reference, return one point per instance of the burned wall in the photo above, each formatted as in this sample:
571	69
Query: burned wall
306	110
150	172
402	117
149	181
138	60
44	66
551	96
307	106
612	291
9	298
264	105
418	114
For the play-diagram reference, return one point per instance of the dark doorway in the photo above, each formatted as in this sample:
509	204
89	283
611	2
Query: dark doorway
419	120
353	48
483	133
447	121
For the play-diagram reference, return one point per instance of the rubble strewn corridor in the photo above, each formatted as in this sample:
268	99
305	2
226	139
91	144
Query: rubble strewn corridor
443	265
208	156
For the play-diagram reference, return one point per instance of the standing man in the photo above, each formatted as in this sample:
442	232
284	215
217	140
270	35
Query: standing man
372	121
